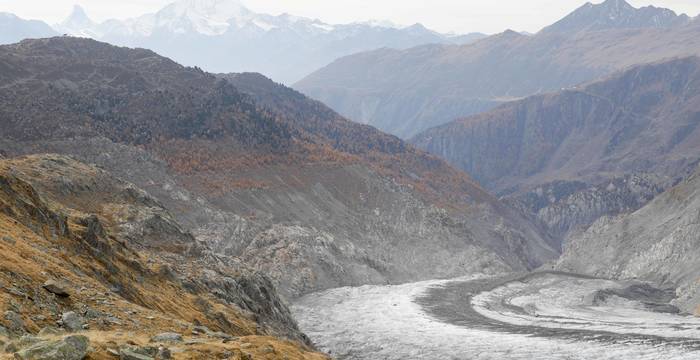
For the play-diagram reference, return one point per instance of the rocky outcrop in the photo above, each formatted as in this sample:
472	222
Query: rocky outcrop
566	206
658	242
83	221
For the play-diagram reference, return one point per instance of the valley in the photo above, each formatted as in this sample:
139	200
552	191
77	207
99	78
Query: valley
548	315
416	195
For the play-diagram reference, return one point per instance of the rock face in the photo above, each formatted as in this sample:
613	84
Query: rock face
603	148
258	171
658	242
77	222
566	206
404	92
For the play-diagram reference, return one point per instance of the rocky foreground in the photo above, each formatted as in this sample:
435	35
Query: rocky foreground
93	267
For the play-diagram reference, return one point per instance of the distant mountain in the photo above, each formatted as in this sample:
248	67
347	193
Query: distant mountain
259	171
225	36
616	14
578	154
14	29
406	91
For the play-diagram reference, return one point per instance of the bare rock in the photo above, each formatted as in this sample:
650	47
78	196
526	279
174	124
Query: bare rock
167	337
54	287
72	321
69	348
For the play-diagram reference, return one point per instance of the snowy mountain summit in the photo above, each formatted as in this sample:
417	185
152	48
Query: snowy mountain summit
226	36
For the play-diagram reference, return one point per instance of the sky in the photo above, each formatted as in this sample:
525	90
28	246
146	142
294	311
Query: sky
459	16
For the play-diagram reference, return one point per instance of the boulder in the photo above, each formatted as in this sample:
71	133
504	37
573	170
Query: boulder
127	354
167	337
72	321
54	287
69	348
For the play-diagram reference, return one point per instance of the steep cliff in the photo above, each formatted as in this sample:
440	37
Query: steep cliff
570	146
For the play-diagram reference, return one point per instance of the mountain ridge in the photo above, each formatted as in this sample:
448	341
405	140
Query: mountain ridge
404	92
180	29
616	14
275	175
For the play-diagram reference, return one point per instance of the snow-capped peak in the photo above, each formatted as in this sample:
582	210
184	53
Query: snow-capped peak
381	24
208	17
78	23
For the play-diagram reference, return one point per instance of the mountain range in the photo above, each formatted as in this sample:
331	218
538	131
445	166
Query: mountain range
404	92
225	36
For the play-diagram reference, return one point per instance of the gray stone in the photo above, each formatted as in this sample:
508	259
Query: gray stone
72	321
8	240
164	354
14	322
126	354
220	335
54	287
201	330
69	348
167	337
4	332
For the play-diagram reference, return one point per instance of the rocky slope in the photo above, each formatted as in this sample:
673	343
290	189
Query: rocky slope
284	183
562	152
659	242
109	265
406	91
225	36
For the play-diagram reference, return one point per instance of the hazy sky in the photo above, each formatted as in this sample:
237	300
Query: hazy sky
462	16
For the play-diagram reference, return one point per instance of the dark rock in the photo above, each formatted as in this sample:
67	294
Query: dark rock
163	354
